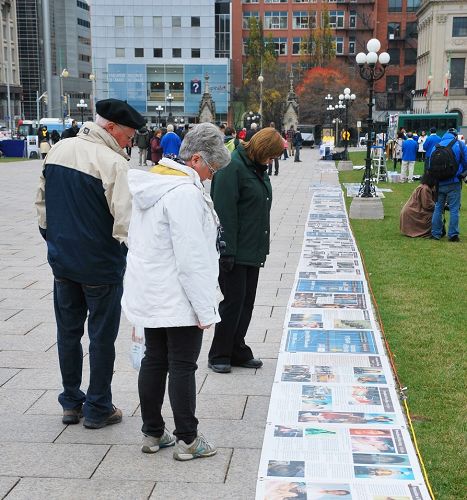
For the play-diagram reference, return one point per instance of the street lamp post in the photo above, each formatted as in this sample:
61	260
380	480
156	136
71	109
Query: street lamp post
371	72
63	74
92	77
348	100
159	110
261	80
169	99
327	103
82	106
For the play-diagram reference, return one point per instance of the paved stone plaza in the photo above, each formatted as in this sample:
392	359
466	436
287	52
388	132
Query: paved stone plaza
41	458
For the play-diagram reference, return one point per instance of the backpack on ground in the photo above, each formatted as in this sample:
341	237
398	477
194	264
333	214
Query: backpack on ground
443	162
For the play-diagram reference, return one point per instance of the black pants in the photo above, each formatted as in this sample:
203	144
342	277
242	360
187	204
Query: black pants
174	351
239	289
276	167
297	153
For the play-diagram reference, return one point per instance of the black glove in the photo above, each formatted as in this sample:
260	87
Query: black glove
226	263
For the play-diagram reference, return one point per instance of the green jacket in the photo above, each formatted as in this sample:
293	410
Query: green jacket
242	196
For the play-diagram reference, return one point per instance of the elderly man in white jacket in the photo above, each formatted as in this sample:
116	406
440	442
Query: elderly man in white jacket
170	284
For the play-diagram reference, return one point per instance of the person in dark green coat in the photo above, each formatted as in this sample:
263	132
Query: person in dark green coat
242	197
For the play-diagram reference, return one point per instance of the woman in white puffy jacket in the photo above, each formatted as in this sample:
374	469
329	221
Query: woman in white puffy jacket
170	284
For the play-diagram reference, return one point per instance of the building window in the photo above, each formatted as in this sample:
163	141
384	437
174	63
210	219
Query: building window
84	40
410	56
459	26
176	52
409	82
119	21
304	1
195	21
392	84
119	52
250	1
245	43
394	5
195	53
139	52
138	21
353	19
84	57
395	56
339	41
411	30
394	31
176	22
280	46
304	20
82	5
275	20
300	46
336	18
351	45
413	5
246	18
222	30
157	21
457	73
157	52
275	1
83	22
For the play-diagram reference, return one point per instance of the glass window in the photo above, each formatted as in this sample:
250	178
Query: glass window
138	21
394	31
304	1
280	46
353	19
411	30
119	52
413	5
410	56
250	1
459	26
157	52
195	22
304	20
457	73
195	53
176	22
352	45
275	1
394	5
339	41
275	20
336	18
395	56
139	52
300	46
157	21
246	18
392	84
119	21
176	52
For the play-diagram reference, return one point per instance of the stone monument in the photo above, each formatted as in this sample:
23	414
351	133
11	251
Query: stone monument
207	107
291	107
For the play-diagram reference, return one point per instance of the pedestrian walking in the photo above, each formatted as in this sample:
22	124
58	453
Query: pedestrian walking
142	141
156	148
298	141
242	197
83	206
290	140
170	142
43	138
170	284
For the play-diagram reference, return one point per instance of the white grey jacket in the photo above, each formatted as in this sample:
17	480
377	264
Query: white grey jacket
172	261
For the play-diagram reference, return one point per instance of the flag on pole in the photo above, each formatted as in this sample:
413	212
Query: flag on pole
446	84
425	92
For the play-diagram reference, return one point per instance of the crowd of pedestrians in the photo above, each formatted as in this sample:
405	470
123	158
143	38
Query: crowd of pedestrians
154	242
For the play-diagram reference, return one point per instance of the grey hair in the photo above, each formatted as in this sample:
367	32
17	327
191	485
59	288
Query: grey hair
101	121
170	128
207	140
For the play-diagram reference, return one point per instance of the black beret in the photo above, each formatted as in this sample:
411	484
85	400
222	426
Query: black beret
120	112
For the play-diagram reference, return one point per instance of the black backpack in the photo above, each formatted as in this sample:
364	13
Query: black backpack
443	163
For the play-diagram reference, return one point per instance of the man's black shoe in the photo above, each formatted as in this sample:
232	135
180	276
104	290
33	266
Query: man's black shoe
455	239
297	161
251	363
115	417
73	415
220	368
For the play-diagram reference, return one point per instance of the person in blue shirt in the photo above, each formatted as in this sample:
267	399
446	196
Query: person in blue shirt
430	144
170	142
449	191
409	155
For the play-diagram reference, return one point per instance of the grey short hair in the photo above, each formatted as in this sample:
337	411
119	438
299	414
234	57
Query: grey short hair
206	139
170	128
101	121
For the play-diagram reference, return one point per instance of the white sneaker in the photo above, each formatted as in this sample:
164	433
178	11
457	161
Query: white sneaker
199	448
152	444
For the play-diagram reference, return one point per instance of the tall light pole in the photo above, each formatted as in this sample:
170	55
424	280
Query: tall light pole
371	72
82	106
6	15
348	100
261	80
92	77
63	74
169	99
327	103
159	110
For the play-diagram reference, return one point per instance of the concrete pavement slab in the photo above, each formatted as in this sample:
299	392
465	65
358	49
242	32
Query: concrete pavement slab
29	428
257	408
26	359
6	484
18	326
14	401
6	374
79	489
237	384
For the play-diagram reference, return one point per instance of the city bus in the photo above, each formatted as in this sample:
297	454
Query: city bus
418	122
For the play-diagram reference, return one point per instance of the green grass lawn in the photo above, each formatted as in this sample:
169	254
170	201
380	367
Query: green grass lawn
420	287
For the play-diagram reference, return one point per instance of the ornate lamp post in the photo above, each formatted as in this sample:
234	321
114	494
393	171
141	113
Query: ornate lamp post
371	72
92	77
169	99
348	100
260	112
327	103
63	74
159	110
81	107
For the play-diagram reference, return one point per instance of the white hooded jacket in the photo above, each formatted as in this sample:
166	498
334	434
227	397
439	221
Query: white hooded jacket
172	262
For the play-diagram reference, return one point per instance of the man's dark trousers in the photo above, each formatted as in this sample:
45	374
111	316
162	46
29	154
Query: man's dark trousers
72	301
276	167
239	289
